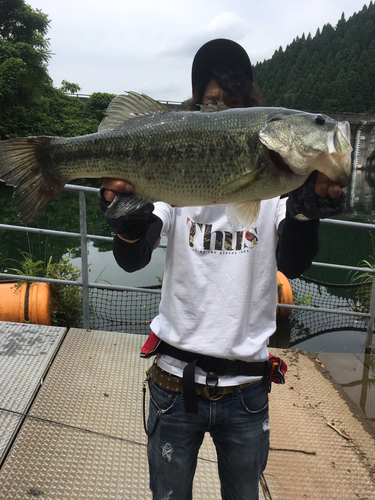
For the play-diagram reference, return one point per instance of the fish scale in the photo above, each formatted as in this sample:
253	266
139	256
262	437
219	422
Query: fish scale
233	156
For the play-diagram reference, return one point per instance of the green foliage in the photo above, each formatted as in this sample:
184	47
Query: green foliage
334	71
72	88
363	293
29	267
97	104
29	104
300	300
24	56
67	299
60	114
363	277
20	23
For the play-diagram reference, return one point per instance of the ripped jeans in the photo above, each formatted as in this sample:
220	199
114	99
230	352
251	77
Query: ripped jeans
238	425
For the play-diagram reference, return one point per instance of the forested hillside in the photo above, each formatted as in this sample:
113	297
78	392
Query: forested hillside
333	71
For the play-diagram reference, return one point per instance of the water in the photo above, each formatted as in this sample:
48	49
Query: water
104	269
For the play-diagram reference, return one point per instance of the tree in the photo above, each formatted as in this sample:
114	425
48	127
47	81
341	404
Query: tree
29	104
72	88
333	71
24	56
98	103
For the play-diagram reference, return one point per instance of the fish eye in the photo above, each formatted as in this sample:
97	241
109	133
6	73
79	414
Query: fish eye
320	120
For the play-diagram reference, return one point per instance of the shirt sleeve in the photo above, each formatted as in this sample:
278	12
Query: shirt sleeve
298	245
134	256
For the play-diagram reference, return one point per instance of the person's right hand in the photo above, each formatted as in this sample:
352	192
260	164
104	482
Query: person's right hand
132	227
114	186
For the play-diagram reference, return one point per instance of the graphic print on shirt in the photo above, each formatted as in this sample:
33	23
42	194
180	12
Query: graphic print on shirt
203	238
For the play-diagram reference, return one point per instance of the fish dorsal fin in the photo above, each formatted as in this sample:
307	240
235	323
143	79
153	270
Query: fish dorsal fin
126	107
212	108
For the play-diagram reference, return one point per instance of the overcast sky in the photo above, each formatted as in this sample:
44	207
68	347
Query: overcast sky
148	45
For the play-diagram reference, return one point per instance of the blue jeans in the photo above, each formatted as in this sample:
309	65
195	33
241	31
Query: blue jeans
238	424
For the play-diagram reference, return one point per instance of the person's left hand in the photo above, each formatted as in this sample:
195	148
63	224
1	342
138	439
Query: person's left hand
317	198
325	187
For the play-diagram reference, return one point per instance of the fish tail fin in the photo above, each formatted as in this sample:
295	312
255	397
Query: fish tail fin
24	165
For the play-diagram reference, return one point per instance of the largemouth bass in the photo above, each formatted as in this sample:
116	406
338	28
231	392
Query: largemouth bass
231	156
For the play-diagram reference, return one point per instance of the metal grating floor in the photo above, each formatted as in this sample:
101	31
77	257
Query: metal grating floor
25	354
86	438
94	388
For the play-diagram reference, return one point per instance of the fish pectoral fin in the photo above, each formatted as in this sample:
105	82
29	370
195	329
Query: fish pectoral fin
125	204
244	214
126	107
242	182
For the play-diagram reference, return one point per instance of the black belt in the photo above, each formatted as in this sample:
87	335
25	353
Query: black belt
214	367
218	366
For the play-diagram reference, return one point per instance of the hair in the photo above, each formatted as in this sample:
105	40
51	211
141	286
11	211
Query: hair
230	80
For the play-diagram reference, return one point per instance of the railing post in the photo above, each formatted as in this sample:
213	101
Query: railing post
371	321
84	260
356	151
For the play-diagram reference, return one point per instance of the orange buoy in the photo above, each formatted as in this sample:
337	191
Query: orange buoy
284	296
31	303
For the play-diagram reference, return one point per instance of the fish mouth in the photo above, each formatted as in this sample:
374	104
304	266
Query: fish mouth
279	163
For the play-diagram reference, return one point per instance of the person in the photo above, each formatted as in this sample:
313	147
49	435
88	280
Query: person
212	371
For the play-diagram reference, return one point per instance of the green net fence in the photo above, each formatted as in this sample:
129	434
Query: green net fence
133	311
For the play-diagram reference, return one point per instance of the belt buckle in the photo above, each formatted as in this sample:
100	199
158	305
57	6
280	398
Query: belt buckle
206	389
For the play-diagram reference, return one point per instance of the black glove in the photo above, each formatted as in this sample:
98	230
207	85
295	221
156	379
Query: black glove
303	203
132	226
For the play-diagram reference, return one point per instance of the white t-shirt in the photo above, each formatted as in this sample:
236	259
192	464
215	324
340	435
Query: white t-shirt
219	289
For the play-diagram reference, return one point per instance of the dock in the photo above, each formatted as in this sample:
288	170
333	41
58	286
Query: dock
71	424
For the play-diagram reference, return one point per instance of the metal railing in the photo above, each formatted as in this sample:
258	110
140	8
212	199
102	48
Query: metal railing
86	284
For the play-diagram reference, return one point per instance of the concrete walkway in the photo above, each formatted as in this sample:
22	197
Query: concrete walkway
84	438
